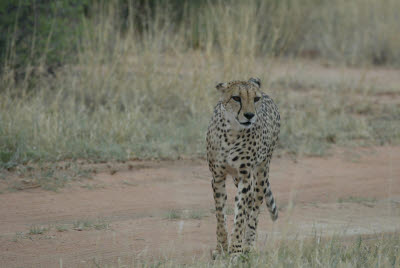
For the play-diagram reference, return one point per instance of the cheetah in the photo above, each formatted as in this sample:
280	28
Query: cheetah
241	138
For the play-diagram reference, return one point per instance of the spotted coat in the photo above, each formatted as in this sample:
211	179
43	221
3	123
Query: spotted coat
245	154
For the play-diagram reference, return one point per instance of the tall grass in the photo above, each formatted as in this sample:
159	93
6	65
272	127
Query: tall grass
356	32
150	94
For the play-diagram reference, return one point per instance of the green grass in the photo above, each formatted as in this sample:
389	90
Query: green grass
36	230
61	228
93	186
229	210
197	214
86	224
151	96
101	225
173	214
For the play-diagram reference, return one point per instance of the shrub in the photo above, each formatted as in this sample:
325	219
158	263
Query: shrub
38	33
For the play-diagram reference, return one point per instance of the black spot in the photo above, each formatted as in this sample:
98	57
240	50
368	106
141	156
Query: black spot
235	158
272	201
243	171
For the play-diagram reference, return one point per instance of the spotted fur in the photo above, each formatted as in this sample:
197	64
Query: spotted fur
241	138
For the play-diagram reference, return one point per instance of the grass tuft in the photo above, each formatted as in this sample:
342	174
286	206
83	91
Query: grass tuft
86	224
197	214
36	230
173	214
61	228
357	199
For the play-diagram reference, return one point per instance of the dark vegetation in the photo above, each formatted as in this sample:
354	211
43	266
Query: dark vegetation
47	31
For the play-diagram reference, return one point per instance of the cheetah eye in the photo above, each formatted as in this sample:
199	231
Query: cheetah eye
256	99
236	98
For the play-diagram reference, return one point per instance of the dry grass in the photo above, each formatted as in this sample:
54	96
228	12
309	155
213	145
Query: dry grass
338	251
48	176
151	95
356	32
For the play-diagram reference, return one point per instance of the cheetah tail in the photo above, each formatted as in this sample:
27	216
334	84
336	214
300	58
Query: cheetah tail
270	201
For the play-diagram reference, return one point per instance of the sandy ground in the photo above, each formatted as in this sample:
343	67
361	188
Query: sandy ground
349	192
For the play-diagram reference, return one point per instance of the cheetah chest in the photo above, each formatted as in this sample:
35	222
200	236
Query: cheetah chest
247	147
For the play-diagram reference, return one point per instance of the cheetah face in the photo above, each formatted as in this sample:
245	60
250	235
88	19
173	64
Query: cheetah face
241	100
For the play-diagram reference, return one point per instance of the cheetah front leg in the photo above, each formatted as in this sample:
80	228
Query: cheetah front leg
242	201
218	185
251	224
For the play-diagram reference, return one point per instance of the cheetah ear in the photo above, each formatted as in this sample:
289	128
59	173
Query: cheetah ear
256	81
221	86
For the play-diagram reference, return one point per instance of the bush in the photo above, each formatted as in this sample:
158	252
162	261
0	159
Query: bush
38	33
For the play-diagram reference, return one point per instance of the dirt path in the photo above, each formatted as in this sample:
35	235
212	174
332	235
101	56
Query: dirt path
125	215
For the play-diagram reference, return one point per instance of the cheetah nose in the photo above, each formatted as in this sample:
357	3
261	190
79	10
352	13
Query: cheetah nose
248	115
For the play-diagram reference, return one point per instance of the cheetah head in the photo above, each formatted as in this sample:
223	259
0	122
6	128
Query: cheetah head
241	100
